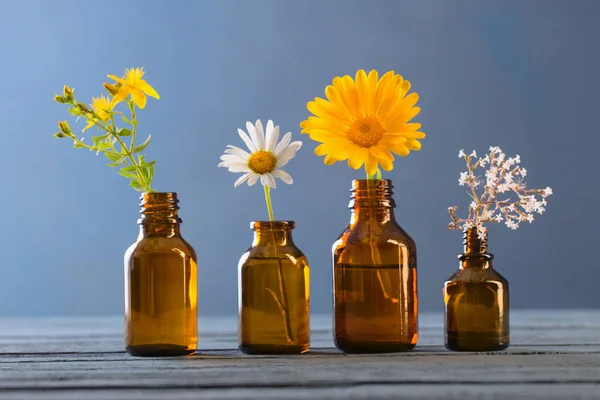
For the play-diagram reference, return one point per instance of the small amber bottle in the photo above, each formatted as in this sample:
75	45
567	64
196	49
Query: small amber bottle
476	298
374	276
161	283
273	293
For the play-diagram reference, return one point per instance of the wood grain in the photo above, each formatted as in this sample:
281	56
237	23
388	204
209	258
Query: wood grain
554	355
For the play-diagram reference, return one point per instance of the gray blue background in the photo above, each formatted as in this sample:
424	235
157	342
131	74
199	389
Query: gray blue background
520	74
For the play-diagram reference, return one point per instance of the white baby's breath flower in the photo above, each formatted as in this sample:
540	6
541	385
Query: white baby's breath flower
502	175
461	154
266	157
511	224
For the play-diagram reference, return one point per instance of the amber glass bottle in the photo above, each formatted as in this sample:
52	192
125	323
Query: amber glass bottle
274	293
161	283
476	297
374	276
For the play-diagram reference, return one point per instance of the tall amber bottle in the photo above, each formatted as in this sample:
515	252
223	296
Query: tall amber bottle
476	297
374	276
161	283
273	293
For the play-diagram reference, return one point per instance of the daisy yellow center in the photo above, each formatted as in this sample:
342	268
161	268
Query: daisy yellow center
262	162
366	131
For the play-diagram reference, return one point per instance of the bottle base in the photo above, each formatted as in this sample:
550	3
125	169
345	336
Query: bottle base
476	341
266	349
352	347
159	350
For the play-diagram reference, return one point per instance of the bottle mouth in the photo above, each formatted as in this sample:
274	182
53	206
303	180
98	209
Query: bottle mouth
372	193
159	207
272	225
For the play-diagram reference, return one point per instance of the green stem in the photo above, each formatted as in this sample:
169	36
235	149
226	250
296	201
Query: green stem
269	205
133	124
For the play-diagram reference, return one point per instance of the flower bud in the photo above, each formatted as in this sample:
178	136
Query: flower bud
59	135
64	127
68	93
83	108
60	99
112	89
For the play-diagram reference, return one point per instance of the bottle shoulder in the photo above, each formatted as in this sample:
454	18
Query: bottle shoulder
477	275
172	244
390	234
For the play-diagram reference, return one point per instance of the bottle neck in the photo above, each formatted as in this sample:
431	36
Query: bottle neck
475	250
272	233
159	215
371	201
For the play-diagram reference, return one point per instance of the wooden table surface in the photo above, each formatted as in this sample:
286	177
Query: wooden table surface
554	355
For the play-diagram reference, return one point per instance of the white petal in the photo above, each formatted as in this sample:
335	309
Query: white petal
272	183
260	133
264	179
237	169
232	158
247	140
244	155
253	179
256	139
283	144
287	154
272	136
241	180
284	176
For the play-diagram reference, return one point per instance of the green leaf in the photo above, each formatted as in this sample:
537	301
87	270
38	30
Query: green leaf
129	168
128	121
113	157
117	162
150	171
137	185
124	132
126	174
141	147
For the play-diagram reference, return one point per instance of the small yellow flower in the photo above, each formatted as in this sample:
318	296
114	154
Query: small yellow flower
102	107
133	84
365	120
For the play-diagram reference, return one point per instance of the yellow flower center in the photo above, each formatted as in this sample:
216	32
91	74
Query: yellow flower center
366	131
262	162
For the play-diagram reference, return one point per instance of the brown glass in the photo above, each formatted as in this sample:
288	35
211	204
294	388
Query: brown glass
273	293
374	276
161	283
476	297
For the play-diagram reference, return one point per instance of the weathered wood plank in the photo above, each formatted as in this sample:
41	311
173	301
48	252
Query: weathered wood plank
555	355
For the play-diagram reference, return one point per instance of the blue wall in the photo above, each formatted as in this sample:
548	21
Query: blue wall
522	75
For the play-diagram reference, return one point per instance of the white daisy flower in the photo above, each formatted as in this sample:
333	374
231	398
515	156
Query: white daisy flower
266	157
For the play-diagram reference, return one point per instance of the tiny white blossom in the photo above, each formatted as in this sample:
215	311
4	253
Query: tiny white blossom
547	191
511	224
461	154
473	154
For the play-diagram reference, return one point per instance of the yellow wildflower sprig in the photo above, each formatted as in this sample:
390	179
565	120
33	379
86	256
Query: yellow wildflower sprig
132	90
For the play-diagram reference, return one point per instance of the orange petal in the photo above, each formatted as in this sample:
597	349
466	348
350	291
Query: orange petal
371	165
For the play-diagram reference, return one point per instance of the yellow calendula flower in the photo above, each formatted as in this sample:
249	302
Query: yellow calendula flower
102	106
133	84
365	120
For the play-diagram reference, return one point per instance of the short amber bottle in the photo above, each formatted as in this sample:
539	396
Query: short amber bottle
374	276
161	283
476	298
274	293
